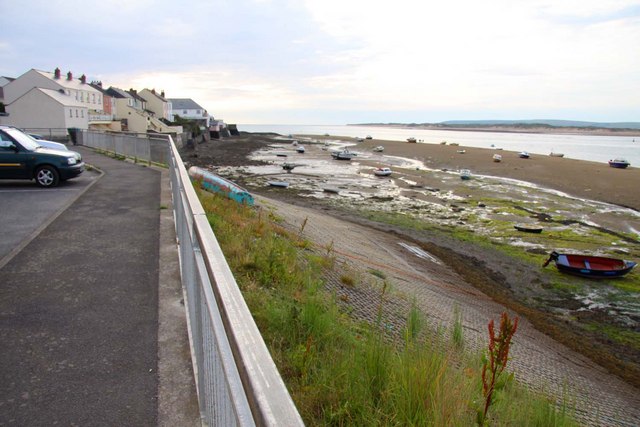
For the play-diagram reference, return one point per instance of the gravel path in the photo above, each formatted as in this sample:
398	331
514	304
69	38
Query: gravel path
538	361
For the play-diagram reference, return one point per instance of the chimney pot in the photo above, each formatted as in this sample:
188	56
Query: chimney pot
69	76
83	79
56	73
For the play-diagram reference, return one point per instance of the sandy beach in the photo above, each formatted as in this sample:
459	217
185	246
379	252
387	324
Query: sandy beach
591	180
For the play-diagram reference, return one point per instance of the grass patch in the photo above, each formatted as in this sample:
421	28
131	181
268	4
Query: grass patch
343	372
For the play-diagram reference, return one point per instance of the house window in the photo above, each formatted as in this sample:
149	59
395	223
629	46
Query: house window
197	111
82	113
70	112
93	97
76	112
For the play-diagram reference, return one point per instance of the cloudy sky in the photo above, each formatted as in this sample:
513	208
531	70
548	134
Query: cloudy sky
345	61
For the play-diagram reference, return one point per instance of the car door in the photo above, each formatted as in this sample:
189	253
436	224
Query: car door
13	160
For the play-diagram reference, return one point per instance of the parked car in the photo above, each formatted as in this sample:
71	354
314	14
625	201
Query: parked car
22	157
45	142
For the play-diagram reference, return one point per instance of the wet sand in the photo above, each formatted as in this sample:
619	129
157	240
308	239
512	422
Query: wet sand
580	178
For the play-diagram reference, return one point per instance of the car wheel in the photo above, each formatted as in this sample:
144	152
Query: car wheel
47	176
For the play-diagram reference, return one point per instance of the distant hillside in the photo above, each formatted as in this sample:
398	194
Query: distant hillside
525	124
553	123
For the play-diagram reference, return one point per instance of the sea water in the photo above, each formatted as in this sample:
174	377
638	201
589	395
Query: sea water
581	147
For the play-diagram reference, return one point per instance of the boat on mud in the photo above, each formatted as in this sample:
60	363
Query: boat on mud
281	184
554	154
619	163
465	174
382	171
412	139
378	149
342	155
528	228
596	267
523	155
300	149
497	158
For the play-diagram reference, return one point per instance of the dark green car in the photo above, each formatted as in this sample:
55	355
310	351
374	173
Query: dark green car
21	157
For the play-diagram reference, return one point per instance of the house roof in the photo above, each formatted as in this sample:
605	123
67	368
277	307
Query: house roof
184	104
74	83
118	93
146	91
135	95
56	95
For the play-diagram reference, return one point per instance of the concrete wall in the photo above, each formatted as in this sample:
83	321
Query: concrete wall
37	110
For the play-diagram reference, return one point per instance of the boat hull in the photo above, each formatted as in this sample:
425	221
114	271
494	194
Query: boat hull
619	165
528	229
591	266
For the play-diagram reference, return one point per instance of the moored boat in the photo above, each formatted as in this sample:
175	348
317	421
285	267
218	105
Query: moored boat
523	155
497	158
412	139
342	155
300	149
554	154
596	267
382	171
465	174
378	149
619	163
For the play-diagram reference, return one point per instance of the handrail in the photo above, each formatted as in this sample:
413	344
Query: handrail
236	378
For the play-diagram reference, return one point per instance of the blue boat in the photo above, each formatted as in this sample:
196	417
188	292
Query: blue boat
216	184
619	163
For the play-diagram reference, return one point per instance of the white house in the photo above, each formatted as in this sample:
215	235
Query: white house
187	108
47	109
77	88
157	103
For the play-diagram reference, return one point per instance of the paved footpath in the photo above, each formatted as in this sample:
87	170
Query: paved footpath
79	309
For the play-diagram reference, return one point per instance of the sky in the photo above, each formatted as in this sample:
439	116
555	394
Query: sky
345	61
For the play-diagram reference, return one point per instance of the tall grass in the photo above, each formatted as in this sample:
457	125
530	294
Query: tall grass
347	373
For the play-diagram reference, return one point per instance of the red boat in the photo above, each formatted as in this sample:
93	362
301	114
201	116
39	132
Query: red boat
590	266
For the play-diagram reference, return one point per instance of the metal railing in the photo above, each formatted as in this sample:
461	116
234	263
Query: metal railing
236	378
142	147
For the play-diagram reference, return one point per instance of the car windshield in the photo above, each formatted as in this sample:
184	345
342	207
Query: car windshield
25	140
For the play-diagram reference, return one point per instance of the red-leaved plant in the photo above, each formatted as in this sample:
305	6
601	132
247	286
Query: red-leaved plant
496	360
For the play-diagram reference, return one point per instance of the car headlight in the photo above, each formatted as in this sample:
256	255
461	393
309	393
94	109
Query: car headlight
71	160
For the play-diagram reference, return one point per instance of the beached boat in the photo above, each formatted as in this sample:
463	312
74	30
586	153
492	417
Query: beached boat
412	139
465	174
461	151
528	228
619	163
342	155
596	267
300	149
497	158
281	184
454	144
382	172
523	155
217	184
333	190
378	149
554	154
368	137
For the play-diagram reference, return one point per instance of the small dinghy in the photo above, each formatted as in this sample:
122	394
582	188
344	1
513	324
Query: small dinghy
596	267
497	158
382	171
523	155
528	228
300	149
465	174
281	184
378	149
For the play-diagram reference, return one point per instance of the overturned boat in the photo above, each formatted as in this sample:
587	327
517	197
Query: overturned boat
596	267
216	184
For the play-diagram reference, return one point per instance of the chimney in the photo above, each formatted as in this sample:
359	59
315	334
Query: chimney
153	91
83	79
56	73
162	94
69	76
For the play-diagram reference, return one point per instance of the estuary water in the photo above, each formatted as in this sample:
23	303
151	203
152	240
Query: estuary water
581	147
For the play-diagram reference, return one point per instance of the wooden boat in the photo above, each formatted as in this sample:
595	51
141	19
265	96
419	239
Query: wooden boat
596	267
412	139
497	158
465	174
528	228
382	172
523	155
281	184
619	163
378	149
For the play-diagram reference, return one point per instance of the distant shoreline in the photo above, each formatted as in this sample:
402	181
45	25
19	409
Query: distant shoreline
515	129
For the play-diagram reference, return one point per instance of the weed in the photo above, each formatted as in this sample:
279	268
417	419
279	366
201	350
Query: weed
458	333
